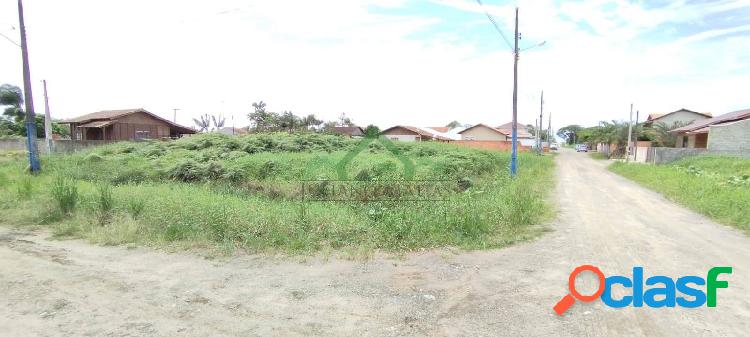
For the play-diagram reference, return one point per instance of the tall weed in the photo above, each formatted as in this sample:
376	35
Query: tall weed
65	193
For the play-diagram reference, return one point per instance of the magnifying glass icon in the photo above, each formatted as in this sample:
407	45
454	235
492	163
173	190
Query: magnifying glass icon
570	299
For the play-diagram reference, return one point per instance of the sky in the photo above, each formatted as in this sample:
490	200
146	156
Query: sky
383	62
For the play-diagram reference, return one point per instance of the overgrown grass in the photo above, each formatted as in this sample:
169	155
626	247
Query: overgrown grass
598	156
718	187
244	193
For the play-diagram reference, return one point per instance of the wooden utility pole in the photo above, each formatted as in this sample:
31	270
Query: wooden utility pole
47	119
514	127
28	97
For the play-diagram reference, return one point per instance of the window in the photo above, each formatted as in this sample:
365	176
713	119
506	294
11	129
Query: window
142	134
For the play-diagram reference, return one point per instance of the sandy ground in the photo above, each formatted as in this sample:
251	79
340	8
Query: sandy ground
70	288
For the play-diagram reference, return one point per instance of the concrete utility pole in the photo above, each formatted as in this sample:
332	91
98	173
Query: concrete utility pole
549	129
47	119
28	98
514	127
630	131
541	123
635	139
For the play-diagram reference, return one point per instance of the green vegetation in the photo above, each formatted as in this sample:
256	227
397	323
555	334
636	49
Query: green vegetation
718	187
13	117
598	156
215	191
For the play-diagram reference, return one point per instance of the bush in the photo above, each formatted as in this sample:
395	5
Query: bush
93	157
186	170
65	193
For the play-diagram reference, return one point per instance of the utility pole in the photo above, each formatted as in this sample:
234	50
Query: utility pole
514	127
47	119
28	97
630	131
635	140
549	129
541	123
175	115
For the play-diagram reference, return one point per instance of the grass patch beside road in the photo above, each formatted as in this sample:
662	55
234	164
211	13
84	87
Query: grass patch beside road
718	187
598	156
243	193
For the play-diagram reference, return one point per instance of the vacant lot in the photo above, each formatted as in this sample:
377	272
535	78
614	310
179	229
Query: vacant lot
226	193
718	187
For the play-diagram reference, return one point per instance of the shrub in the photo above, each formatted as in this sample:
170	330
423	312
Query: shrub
185	170
93	158
267	170
65	193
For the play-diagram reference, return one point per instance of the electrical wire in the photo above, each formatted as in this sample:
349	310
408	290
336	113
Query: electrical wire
9	39
494	24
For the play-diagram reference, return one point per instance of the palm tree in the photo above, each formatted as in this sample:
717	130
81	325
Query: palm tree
218	122
204	123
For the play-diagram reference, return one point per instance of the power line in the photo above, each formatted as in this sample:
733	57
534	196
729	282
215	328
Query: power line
497	27
9	39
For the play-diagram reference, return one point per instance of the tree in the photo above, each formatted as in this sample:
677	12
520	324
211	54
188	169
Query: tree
372	131
311	122
204	123
569	133
659	133
532	130
261	119
289	122
12	96
345	121
218	121
454	124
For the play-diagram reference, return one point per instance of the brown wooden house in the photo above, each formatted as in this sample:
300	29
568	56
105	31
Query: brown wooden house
128	124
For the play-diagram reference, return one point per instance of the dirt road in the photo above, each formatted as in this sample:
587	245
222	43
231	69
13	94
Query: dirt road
70	288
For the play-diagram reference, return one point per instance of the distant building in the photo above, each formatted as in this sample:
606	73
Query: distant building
351	131
483	132
230	131
503	132
682	116
129	124
727	132
412	134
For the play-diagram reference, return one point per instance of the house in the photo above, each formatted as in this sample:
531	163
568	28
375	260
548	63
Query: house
128	124
351	131
439	129
412	134
483	132
522	133
680	118
501	133
727	132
